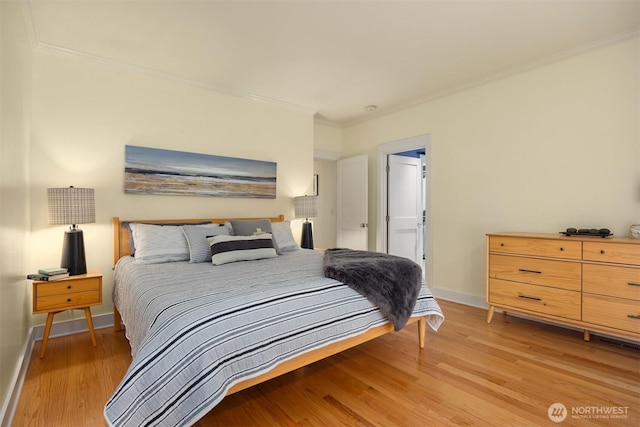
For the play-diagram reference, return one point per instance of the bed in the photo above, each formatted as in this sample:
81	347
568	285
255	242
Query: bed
200	331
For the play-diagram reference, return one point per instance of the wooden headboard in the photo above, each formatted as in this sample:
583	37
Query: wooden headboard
121	232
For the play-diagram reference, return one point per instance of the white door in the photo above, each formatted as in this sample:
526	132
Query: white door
352	218
404	210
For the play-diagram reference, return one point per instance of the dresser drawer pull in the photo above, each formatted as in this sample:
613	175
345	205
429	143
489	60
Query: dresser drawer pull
68	299
69	287
633	316
602	251
633	284
522	270
528	297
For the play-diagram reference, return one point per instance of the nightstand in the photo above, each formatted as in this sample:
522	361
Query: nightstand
72	293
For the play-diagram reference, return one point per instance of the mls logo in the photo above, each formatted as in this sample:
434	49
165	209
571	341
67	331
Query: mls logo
557	412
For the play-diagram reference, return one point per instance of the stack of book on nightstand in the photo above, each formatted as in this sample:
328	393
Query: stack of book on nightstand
49	274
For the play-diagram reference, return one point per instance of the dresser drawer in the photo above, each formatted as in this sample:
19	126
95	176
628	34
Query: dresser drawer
557	274
536	247
67	286
66	301
619	253
622	282
541	299
617	313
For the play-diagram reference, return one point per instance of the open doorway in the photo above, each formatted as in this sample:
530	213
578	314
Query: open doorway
404	190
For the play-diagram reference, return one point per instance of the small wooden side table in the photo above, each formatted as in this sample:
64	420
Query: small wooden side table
71	293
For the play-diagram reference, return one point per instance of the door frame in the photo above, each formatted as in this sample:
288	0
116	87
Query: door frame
383	150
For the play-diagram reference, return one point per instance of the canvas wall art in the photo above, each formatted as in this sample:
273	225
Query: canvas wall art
158	171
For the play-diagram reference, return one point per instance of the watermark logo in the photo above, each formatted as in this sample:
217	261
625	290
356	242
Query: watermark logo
557	412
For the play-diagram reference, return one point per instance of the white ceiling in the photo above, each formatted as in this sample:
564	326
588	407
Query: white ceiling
330	57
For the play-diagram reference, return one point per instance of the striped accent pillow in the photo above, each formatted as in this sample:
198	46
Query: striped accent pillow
226	249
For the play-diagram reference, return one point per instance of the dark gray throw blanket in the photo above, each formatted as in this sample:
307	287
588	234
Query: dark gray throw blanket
391	282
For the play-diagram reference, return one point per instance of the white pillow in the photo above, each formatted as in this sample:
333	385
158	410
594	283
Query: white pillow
283	237
158	243
225	249
196	235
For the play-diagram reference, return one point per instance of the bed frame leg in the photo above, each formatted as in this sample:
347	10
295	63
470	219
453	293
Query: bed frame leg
422	330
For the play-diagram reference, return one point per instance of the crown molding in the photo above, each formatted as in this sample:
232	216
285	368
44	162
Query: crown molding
566	54
39	46
149	72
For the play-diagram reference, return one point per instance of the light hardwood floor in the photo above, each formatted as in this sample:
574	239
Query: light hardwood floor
506	373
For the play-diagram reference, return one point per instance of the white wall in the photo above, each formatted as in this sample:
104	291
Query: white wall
327	138
84	115
327	144
554	147
324	227
15	106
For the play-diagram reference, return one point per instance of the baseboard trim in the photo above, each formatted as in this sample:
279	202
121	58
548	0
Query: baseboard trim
69	327
460	298
75	326
15	388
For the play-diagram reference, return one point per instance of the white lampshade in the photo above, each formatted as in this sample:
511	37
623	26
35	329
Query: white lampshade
71	205
306	206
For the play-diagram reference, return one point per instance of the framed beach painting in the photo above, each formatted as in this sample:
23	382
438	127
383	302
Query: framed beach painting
159	171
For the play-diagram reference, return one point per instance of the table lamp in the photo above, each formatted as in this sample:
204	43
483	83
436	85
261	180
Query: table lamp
72	206
306	207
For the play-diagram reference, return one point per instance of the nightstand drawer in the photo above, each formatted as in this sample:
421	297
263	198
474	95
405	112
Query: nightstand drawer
537	247
622	282
619	253
617	313
541	299
66	301
79	291
557	274
67	286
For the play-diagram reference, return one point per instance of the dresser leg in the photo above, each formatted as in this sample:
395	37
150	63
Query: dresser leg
492	310
87	314
45	336
587	335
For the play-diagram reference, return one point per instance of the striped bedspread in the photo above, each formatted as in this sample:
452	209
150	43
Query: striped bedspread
197	329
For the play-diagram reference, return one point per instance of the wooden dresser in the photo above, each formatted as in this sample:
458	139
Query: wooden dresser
592	283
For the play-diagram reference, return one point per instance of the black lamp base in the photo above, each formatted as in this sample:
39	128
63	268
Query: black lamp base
307	236
73	258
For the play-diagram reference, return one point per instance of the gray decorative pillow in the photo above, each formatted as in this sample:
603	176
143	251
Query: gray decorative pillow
229	227
226	249
196	235
283	237
249	227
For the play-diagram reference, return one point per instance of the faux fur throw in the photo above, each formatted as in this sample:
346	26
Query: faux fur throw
391	282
